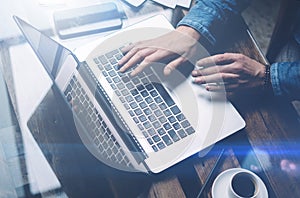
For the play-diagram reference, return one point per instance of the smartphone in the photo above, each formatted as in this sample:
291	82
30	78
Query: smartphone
87	20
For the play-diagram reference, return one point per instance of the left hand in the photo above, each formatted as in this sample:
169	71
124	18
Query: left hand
236	71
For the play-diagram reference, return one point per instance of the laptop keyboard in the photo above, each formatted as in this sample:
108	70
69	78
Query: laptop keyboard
147	101
94	124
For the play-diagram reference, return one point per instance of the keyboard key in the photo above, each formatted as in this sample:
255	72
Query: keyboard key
113	61
171	119
136	120
167	126
181	133
135	81
153	93
96	61
100	67
152	118
134	92
142	118
125	79
112	73
149	100
129	85
156	124
118	93
180	117
167	113
153	106
124	92
175	110
185	124
158	100
145	81
190	130
140	87
161	145
112	53
138	111
144	93
104	73
145	134
173	135
140	127
157	113
151	132
138	98
147	111
156	138
131	113
102	59
165	95
176	126
147	125
150	141
129	98
155	149
107	67
116	79
162	119
118	56
167	140
162	106
149	87
133	105
161	131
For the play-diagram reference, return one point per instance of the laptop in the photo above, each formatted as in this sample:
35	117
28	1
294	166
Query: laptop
145	123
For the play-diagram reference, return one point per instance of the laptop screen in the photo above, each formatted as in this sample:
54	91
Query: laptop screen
50	53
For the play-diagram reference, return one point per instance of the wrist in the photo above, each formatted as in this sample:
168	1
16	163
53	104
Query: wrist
189	31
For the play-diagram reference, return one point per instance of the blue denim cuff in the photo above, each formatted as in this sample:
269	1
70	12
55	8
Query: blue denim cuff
275	79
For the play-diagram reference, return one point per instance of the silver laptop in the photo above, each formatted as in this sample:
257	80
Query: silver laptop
145	123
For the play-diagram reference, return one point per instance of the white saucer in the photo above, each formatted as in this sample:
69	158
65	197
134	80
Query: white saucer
221	184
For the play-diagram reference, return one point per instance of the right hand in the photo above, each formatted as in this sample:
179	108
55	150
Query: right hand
176	47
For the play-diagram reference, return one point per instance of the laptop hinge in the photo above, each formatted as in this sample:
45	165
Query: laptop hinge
136	150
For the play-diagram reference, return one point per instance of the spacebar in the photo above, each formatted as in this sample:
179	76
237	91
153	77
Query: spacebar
164	94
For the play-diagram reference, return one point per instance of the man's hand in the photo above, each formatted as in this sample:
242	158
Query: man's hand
175	47
236	71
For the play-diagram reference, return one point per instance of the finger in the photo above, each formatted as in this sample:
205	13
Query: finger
127	47
216	78
136	58
228	68
151	58
127	56
219	59
173	65
228	87
206	71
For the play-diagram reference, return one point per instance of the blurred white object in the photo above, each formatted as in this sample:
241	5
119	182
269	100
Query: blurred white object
135	3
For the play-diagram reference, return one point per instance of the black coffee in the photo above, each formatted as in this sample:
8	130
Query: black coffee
243	185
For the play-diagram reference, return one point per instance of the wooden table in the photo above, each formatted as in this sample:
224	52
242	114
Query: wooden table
270	139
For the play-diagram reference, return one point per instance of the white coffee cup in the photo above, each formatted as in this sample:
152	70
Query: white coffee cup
244	184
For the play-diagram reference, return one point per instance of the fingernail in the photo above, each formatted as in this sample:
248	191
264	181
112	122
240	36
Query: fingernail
167	71
194	72
200	67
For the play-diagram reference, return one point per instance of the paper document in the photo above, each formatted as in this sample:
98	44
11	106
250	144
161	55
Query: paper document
173	4
167	3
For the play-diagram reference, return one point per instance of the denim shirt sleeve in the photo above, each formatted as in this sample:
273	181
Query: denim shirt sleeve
285	79
206	15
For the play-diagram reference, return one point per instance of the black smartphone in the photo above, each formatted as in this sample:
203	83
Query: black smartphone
87	20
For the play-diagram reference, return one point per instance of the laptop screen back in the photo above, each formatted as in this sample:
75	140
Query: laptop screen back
51	54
